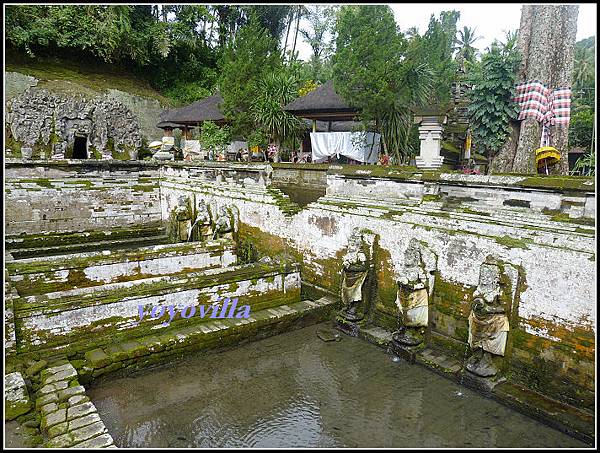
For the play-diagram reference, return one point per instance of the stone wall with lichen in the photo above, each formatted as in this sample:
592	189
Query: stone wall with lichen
48	123
542	226
53	196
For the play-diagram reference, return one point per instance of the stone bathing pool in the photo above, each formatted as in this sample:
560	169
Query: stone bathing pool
294	390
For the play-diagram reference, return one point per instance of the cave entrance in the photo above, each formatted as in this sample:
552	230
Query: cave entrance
80	147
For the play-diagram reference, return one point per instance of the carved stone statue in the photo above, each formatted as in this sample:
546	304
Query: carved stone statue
415	287
225	223
182	220
201	229
488	322
356	265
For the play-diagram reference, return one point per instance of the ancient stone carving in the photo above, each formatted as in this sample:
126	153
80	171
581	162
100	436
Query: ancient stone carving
415	288
51	121
357	262
488	321
226	223
201	229
182	220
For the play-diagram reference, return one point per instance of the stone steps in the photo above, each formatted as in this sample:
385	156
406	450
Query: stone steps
142	352
63	272
68	417
112	244
76	318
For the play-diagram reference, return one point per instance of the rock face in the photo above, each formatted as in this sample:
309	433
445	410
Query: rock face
49	123
546	41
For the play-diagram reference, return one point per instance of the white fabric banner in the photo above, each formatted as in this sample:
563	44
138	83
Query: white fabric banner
192	150
354	145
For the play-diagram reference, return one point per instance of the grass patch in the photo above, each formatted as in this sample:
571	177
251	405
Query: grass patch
70	77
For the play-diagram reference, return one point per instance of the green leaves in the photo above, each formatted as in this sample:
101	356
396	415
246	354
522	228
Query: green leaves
252	56
491	107
213	137
274	92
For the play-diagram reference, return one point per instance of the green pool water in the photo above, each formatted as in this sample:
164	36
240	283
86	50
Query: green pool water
295	390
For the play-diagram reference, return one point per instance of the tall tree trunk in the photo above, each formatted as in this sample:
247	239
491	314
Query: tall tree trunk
287	34
546	41
298	14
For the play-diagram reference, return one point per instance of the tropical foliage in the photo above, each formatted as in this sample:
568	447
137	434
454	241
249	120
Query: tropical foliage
466	39
378	70
274	92
214	138
245	62
491	108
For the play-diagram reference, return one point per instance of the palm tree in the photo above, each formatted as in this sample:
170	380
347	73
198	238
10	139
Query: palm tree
467	38
275	91
416	81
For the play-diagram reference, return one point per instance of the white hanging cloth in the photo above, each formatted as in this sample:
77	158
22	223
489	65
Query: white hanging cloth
360	146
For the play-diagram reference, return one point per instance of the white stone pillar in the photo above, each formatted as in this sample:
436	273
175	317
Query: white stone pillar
430	134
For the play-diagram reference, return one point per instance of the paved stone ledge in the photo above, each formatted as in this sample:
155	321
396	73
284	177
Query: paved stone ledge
68	417
214	334
568	419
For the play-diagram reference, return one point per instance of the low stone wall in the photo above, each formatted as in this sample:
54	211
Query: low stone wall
543	227
78	319
66	272
54	196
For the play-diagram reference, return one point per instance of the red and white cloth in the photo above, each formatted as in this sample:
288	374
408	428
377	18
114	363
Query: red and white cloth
549	107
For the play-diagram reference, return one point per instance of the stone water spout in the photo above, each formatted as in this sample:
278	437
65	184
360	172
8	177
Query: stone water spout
357	264
201	229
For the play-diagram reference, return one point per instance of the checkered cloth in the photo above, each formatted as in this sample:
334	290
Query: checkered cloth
550	107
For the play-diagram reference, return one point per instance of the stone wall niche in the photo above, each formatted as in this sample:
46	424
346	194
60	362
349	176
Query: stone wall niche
489	321
415	290
357	280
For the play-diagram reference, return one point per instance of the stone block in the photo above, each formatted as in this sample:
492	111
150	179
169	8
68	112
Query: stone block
79	435
63	375
102	441
16	396
54	418
78	399
48	398
49	408
50	371
84	421
117	353
54	387
64	395
80	410
57	430
36	368
133	349
97	358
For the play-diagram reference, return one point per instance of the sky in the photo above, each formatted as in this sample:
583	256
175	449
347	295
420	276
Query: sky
489	20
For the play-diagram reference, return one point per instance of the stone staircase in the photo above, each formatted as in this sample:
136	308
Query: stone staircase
68	417
177	342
